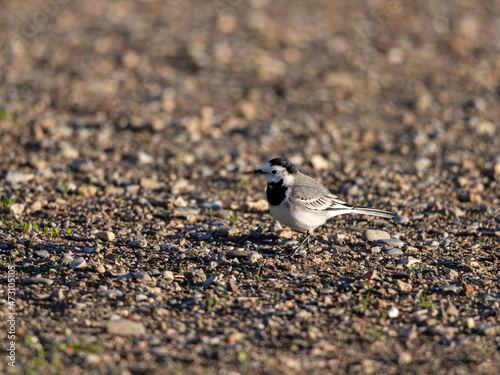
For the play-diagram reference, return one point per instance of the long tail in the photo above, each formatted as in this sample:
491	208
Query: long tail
372	212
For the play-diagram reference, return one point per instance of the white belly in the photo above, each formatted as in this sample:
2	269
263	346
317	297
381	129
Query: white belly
300	221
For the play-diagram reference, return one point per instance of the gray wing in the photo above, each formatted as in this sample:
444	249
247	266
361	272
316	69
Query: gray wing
311	195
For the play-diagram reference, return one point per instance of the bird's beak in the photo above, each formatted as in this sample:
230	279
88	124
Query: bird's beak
256	171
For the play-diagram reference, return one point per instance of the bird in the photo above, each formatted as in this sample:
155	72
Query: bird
302	203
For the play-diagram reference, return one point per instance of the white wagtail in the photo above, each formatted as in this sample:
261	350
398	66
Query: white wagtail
302	203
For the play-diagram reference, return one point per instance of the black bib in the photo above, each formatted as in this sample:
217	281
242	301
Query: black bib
276	193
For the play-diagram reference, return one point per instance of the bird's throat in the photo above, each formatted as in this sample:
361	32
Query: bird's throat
276	193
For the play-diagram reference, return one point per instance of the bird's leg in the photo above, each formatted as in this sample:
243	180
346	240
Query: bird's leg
302	244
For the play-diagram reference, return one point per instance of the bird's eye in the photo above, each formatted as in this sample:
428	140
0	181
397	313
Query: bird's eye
273	171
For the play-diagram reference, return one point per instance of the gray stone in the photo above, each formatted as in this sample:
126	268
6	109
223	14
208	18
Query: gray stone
106	236
401	219
212	279
227	232
18	178
393	312
445	331
39	280
82	166
216	205
112	293
445	243
168	275
450	310
394	252
491	297
16	208
138	244
372	235
57	295
142	276
78	263
392	242
449	289
197	275
126	328
142	159
42	253
238	254
409	261
66	258
253	257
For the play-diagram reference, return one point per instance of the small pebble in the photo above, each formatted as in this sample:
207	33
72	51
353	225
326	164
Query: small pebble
227	232
106	236
142	276
16	208
66	259
253	257
401	219
409	261
212	279
138	244
393	312
394	252
78	263
42	253
372	235
39	280
392	242
112	293
126	328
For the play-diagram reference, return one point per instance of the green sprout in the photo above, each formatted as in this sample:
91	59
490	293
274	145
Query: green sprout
8	200
426	304
66	182
234	218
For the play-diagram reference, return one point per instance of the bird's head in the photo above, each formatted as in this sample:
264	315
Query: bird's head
276	170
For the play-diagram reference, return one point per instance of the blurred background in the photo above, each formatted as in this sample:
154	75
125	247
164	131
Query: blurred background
231	83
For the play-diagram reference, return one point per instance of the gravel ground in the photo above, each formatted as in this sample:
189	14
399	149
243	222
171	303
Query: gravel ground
139	244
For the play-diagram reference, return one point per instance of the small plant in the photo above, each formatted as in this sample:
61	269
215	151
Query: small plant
66	182
363	305
54	232
339	334
366	301
7	116
234	218
70	231
259	276
181	264
211	214
245	362
28	227
385	314
247	272
426	304
9	223
376	334
52	271
210	302
45	230
8	200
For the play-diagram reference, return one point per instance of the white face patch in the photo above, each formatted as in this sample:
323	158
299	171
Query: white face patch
276	173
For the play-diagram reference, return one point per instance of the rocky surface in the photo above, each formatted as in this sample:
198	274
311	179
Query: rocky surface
140	245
